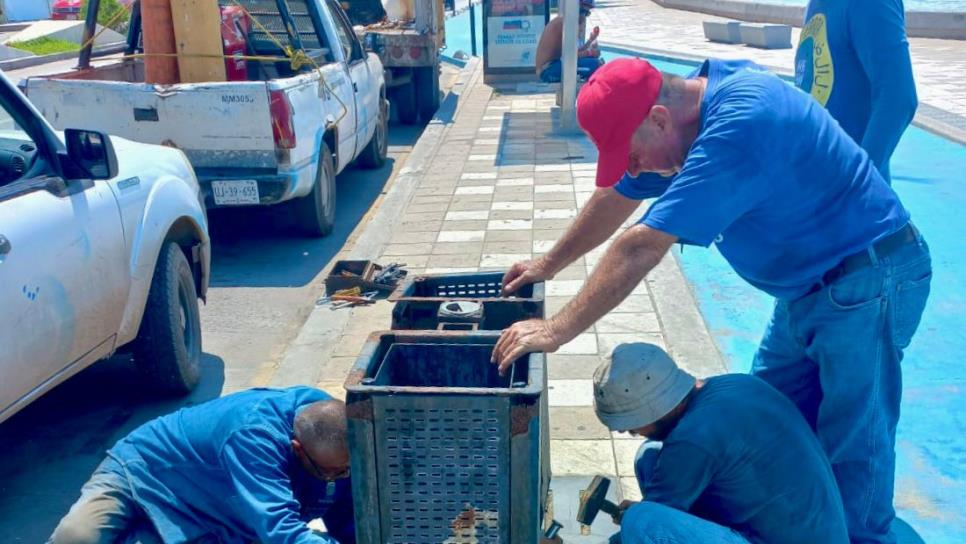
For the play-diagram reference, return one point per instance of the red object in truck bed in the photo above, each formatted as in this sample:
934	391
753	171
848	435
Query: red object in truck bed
234	36
63	10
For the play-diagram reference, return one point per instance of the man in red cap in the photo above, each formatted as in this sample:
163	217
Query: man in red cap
799	211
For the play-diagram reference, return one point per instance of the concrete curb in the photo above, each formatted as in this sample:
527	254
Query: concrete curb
688	338
950	25
928	117
323	328
26	62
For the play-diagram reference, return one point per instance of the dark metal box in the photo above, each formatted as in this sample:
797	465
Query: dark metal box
443	448
418	299
362	275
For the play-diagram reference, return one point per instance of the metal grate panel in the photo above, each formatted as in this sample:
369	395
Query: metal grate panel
443	469
479	289
266	13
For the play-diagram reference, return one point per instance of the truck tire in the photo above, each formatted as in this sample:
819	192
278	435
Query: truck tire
315	212
404	102
167	350
374	155
427	86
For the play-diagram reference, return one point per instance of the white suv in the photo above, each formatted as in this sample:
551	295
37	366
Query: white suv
98	249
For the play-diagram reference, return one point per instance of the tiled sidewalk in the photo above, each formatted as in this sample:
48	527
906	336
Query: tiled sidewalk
502	187
939	65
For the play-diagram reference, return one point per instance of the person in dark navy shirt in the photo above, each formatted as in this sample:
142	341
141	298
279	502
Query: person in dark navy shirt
729	459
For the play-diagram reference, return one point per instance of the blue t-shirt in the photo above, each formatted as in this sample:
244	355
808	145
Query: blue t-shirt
743	456
853	57
226	468
774	182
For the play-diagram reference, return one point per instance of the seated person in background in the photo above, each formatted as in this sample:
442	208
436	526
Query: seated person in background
549	67
736	462
251	466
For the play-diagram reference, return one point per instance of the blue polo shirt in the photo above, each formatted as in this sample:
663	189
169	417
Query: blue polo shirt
774	182
743	456
853	58
226	468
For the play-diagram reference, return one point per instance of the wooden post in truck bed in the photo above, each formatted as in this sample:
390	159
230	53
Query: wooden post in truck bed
197	31
158	33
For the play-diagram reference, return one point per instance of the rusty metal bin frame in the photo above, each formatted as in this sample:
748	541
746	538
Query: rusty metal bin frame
417	311
388	424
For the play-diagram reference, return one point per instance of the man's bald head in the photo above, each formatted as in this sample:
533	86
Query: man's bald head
321	427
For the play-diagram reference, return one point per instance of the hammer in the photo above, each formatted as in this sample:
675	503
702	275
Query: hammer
594	499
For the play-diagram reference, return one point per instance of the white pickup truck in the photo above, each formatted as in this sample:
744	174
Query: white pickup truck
281	134
103	242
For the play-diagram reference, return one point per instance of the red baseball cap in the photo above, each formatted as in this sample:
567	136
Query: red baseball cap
610	107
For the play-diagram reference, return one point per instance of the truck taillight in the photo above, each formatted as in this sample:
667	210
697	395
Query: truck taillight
283	125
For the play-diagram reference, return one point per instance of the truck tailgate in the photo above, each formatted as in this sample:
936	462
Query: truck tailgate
217	125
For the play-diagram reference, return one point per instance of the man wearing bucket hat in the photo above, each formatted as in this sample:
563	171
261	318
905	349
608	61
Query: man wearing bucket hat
548	64
736	462
797	209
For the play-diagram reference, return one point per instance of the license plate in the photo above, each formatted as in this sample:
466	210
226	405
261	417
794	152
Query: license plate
235	192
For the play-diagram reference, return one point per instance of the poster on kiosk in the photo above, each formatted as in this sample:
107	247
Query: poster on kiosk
511	31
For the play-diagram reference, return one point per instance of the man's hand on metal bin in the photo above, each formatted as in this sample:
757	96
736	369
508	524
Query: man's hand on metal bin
524	273
521	338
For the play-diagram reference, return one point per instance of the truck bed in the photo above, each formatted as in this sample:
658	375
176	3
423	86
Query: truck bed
214	124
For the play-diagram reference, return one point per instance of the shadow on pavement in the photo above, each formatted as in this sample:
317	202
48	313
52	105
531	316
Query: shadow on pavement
255	247
51	447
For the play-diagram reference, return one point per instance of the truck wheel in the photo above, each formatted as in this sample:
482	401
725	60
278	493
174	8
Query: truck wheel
167	350
315	212
374	155
427	85
404	102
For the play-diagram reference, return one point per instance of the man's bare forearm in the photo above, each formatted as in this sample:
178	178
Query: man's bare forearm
604	213
622	268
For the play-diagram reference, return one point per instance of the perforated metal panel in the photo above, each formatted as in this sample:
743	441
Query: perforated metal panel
266	13
469	289
443	467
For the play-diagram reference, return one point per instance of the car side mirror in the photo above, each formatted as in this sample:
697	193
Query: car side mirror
92	152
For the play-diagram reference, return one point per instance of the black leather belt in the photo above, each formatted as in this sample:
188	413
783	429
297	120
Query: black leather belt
883	248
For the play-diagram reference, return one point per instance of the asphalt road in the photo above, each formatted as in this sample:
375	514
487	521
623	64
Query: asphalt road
264	284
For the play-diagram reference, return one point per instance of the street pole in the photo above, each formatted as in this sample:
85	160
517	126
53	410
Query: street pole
472	29
568	80
90	25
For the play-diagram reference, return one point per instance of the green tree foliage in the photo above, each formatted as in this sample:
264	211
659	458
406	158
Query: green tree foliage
111	14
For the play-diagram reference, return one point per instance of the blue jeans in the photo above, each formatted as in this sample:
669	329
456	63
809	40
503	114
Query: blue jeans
652	523
105	513
836	353
586	66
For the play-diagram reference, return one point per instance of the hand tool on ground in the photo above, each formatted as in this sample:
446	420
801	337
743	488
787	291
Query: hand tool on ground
553	530
348	297
390	274
594	499
343	301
